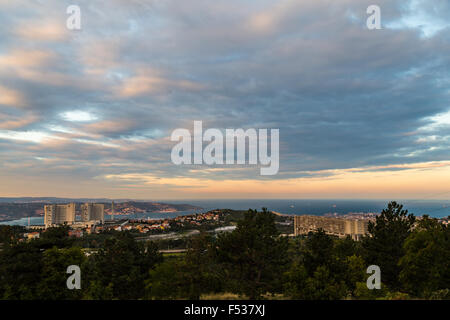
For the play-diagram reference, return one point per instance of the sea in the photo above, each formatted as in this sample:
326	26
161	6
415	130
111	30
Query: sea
434	208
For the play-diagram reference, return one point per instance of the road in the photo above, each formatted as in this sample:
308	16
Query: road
168	236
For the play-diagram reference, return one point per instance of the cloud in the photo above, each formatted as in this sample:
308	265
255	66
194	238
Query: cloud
41	30
16	122
11	97
29	136
148	82
344	98
78	115
20	58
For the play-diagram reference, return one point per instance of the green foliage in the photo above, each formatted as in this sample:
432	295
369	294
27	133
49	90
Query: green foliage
323	285
363	293
167	281
253	261
54	266
202	269
253	256
56	237
191	276
295	281
10	234
96	291
318	251
20	271
326	269
425	265
122	265
397	295
443	294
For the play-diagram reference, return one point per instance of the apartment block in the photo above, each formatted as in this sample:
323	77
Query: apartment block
340	227
58	214
93	212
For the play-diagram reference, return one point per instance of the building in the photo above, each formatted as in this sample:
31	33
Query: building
340	227
58	214
32	235
76	233
93	212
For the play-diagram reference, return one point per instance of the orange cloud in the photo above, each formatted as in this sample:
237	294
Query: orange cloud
11	97
99	56
20	58
15	122
42	30
149	81
109	126
416	181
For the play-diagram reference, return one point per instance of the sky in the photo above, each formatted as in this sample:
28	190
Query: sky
89	113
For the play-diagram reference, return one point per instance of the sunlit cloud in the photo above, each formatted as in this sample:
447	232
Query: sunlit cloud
11	97
39	30
361	113
78	116
146	84
355	182
15	122
29	136
99	143
440	120
21	58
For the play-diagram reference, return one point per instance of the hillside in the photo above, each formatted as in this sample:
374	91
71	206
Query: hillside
18	208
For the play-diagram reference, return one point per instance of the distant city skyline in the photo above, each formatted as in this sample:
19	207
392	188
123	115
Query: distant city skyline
362	114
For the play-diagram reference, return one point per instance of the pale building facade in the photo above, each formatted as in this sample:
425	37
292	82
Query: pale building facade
340	227
93	212
58	214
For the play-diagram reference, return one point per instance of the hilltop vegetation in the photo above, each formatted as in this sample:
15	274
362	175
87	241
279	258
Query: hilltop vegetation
252	262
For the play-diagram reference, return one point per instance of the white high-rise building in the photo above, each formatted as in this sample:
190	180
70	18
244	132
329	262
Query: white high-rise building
93	212
58	214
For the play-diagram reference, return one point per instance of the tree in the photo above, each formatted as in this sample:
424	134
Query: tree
189	276
426	263
327	269
54	266
295	281
201	269
318	251
168	281
122	265
384	246
253	257
10	234
323	285
20	271
56	237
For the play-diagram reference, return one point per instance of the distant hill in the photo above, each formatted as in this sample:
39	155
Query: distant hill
145	206
16	208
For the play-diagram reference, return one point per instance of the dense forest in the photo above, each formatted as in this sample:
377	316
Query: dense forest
252	262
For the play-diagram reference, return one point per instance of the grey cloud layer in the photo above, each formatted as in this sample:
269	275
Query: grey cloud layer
342	96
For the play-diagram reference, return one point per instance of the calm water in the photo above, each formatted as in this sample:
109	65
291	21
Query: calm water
433	208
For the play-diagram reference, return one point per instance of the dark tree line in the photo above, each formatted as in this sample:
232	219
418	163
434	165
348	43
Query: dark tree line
253	262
